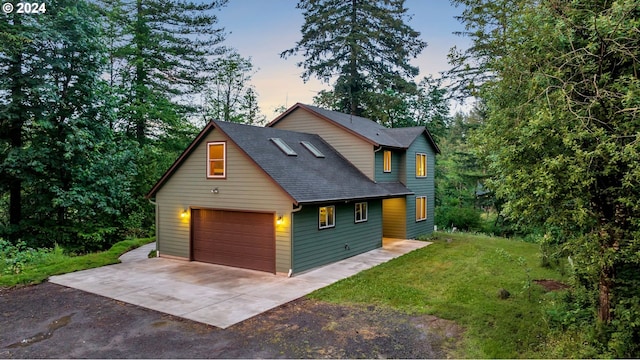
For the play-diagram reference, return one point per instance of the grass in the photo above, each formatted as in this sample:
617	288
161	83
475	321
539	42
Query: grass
56	263
459	280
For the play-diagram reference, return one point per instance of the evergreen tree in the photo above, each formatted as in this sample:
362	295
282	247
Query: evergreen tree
365	45
161	61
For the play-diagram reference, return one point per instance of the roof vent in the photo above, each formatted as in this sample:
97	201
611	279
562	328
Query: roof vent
284	147
314	150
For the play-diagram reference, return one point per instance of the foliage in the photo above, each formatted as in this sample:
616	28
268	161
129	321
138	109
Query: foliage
229	95
365	46
68	178
35	266
561	140
457	278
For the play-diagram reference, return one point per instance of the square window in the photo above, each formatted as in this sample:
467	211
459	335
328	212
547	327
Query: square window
386	167
421	165
327	217
216	160
421	208
361	212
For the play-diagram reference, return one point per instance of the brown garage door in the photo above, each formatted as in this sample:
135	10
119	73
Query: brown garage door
234	238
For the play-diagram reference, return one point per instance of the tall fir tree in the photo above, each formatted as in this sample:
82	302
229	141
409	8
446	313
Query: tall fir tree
364	45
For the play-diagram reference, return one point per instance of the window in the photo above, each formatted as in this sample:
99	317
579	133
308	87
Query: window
421	165
216	160
361	212
387	161
327	218
314	150
421	208
284	147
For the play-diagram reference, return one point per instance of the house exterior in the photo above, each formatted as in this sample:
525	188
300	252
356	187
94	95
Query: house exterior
285	201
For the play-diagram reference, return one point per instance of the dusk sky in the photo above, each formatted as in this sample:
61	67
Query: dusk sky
261	29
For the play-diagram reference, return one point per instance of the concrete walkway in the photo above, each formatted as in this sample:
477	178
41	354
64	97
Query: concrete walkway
214	294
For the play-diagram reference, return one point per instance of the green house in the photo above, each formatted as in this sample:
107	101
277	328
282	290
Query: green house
286	200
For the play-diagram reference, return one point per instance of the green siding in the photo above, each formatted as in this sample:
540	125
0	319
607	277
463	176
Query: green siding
313	247
421	187
397	166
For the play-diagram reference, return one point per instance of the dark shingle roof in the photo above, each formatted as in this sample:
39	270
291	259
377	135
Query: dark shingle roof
372	131
305	177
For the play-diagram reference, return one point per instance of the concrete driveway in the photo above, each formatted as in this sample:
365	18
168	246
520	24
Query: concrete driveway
214	294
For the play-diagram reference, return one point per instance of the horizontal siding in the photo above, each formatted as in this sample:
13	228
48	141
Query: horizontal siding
396	165
246	188
358	151
421	187
313	247
394	214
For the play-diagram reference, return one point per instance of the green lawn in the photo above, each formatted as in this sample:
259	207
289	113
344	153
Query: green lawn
39	267
459	280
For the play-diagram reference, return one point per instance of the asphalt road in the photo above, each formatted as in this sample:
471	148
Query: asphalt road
53	321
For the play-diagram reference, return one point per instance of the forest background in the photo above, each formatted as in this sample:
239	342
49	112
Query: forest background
98	98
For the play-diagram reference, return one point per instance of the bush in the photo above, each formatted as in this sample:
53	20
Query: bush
462	218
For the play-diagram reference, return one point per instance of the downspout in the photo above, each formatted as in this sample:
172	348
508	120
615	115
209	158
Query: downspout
155	205
292	212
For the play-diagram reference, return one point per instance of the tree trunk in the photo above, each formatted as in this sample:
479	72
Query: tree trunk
15	132
604	301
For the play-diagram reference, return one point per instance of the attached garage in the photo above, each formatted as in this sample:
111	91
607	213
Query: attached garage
234	238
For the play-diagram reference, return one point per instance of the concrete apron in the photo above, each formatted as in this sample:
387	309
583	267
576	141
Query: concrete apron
214	294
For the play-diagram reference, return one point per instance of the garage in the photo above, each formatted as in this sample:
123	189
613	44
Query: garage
233	238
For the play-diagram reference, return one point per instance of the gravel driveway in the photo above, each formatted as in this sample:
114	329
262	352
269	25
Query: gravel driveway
52	321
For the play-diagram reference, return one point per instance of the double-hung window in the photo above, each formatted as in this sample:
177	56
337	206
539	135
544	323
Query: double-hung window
216	160
327	217
361	212
421	208
421	165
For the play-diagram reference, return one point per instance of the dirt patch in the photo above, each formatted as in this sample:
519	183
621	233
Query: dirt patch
551	285
69	323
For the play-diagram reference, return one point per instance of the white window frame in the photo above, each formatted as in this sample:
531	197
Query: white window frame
329	222
421	210
364	212
421	159
386	165
224	160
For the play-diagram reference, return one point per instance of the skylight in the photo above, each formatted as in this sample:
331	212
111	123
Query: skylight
284	147
314	150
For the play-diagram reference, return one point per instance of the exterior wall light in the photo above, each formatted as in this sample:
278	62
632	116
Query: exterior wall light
184	213
279	220
215	191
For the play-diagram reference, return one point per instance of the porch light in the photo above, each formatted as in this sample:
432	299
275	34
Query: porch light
184	213
279	220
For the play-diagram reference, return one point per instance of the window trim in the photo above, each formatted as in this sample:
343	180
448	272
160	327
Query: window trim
364	218
423	160
224	160
386	163
333	218
424	207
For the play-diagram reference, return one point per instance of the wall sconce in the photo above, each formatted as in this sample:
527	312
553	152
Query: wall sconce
184	213
279	220
215	191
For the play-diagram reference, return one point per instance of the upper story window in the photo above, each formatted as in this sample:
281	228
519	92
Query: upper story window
421	165
327	217
216	160
361	212
387	161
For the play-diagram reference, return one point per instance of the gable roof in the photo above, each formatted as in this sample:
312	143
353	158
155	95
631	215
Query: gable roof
305	177
367	129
